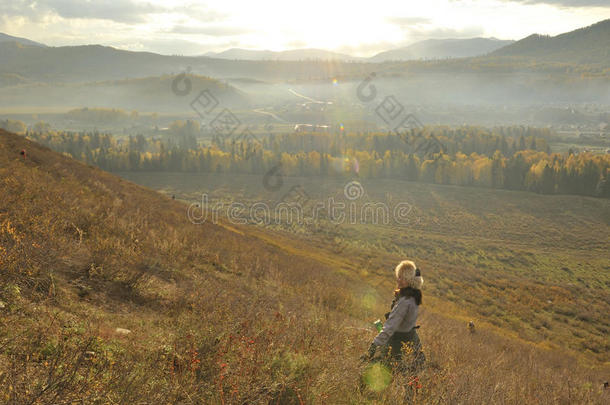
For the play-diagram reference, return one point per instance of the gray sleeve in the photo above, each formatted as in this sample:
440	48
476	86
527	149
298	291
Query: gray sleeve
396	317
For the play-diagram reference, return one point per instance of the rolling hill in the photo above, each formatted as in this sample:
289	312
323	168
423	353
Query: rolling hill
87	63
442	49
84	63
101	63
427	49
110	294
588	45
22	41
145	94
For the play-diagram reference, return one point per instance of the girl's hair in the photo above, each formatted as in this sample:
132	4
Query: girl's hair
410	292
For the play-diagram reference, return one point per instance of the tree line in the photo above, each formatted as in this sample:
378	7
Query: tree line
513	158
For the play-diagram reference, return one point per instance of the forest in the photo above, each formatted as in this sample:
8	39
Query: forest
513	158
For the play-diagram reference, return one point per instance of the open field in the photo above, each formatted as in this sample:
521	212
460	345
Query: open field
110	295
535	266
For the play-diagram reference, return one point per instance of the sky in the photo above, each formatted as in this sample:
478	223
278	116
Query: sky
359	28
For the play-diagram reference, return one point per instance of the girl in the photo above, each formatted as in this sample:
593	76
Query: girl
400	328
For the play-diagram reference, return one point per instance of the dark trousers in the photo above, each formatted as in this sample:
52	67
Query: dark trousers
405	350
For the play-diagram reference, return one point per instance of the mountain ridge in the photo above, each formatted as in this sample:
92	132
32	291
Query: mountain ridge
24	41
589	44
442	49
96	62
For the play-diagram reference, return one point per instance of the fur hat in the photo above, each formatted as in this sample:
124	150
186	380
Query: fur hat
408	272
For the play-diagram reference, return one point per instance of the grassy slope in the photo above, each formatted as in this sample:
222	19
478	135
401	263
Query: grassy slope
217	313
534	265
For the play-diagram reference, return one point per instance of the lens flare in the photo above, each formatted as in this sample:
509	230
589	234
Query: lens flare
377	377
368	301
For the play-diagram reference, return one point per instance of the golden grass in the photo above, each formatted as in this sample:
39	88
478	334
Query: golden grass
216	316
516	261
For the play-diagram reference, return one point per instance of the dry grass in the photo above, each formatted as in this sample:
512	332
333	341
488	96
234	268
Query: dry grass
518	261
216	316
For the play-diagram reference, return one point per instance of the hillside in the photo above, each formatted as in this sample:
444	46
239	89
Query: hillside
487	247
23	41
442	49
588	45
146	94
100	63
110	295
85	63
33	79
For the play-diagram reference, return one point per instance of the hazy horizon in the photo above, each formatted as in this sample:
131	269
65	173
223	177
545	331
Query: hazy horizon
195	28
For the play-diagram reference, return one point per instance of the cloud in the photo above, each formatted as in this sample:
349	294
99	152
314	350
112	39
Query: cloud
412	35
568	3
563	3
200	13
13	8
419	28
296	43
213	31
124	11
165	46
408	21
442	33
367	49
